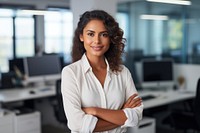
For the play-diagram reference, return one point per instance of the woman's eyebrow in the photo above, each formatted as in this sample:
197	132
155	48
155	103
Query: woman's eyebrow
99	32
104	31
90	31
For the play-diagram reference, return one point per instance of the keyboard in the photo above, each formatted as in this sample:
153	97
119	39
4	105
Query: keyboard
148	97
45	89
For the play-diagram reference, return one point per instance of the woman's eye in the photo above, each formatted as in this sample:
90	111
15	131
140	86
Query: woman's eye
104	34
90	34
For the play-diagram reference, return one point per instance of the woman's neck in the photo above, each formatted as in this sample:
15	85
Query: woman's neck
97	62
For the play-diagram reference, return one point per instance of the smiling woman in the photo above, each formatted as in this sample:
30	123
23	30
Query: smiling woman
95	38
98	91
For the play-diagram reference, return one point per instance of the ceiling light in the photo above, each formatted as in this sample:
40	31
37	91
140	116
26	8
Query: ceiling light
37	12
34	12
154	17
179	2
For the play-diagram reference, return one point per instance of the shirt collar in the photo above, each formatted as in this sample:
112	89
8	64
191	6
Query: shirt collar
86	64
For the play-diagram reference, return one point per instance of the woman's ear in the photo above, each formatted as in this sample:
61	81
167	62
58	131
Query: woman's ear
81	37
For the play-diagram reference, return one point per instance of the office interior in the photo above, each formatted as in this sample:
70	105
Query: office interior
155	32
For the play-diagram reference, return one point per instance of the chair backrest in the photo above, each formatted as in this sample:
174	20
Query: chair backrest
197	104
59	110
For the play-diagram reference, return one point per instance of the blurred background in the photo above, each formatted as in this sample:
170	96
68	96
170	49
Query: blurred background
154	30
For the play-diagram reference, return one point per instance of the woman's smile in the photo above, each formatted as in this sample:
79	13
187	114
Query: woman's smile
97	48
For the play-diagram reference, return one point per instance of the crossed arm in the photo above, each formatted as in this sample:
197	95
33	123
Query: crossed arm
107	119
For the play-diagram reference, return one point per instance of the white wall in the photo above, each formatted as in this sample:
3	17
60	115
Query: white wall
190	72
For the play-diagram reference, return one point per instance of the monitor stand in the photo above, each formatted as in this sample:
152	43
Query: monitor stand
50	82
161	88
37	84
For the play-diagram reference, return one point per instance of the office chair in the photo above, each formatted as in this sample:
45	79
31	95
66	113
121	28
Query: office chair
58	105
187	120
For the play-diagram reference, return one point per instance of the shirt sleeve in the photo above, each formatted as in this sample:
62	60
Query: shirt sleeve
134	115
78	121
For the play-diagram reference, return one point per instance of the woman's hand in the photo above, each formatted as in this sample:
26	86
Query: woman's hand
132	102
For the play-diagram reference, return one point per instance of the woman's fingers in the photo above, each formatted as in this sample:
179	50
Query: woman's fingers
133	101
130	99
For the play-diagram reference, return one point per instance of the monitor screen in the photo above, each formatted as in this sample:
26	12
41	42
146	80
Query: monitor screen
157	73
45	67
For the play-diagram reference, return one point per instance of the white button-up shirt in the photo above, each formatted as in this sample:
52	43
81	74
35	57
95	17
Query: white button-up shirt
80	88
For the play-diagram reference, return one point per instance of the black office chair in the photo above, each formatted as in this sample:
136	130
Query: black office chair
58	105
187	120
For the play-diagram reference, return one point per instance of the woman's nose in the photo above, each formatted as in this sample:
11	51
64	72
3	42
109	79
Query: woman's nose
97	39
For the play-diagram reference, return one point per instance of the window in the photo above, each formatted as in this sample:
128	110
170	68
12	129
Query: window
59	32
24	36
16	36
122	18
167	30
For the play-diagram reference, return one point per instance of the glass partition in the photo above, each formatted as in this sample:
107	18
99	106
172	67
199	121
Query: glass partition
163	30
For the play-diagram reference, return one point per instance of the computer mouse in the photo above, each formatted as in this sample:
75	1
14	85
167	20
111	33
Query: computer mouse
32	92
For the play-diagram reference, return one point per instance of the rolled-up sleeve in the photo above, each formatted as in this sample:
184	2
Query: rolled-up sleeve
134	115
78	121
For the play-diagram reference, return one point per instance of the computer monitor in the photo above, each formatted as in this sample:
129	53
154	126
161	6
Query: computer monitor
42	68
157	73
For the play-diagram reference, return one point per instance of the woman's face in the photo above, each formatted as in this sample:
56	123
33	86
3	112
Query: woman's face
95	38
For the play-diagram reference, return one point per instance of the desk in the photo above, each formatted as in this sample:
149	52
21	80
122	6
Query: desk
162	97
165	97
18	94
18	121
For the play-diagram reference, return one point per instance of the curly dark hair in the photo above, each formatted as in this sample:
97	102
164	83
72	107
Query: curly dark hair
116	49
